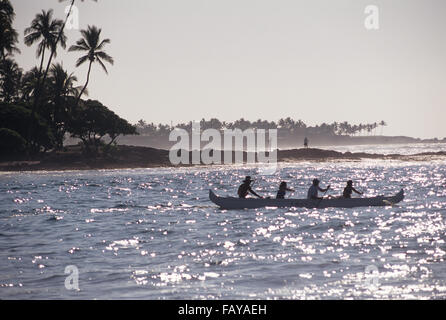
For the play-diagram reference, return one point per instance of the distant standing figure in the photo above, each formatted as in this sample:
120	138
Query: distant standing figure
282	190
348	190
245	188
306	142
313	191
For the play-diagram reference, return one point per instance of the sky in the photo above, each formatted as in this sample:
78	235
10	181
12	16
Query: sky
184	60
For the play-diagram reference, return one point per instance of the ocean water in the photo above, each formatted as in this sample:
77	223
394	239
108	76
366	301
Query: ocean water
154	234
386	149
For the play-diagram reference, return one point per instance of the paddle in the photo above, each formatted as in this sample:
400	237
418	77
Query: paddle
390	203
323	197
252	185
291	193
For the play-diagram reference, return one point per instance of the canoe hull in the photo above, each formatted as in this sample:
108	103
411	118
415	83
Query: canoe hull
252	203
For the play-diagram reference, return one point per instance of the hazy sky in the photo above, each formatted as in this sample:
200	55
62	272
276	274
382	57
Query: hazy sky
181	60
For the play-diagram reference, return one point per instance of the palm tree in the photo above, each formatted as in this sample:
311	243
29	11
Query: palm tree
141	124
59	38
8	35
11	76
61	85
46	30
29	84
93	46
8	39
382	124
50	32
42	81
6	10
369	128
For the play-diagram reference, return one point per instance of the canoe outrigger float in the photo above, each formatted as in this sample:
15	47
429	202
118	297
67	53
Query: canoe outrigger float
252	203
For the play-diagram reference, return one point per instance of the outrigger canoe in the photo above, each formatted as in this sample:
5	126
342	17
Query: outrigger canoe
252	203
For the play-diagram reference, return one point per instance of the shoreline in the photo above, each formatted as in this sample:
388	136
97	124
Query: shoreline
289	141
133	157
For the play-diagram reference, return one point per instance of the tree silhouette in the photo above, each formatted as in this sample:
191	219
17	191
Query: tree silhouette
11	75
50	32
61	84
46	30
382	124
8	35
38	107
53	49
29	84
288	128
93	121
93	46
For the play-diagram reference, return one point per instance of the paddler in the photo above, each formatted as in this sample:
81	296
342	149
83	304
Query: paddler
282	190
348	190
313	191
245	187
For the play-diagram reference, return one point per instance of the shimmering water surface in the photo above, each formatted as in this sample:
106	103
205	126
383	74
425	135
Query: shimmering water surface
386	149
154	234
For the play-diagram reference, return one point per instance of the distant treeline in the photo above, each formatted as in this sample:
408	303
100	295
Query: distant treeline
285	127
41	106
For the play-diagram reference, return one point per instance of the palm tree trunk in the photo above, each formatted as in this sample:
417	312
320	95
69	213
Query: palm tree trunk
40	83
41	62
86	84
53	51
40	72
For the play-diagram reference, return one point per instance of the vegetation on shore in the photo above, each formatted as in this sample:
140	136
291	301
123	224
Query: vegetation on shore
40	107
287	126
290	133
126	157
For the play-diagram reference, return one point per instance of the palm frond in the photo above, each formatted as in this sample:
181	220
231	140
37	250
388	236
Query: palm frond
81	60
80	45
105	56
77	48
102	44
102	65
30	38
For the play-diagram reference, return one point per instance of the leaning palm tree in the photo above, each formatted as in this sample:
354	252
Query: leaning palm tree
93	46
46	30
59	37
50	33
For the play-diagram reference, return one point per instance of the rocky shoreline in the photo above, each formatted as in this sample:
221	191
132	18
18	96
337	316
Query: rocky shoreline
128	157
